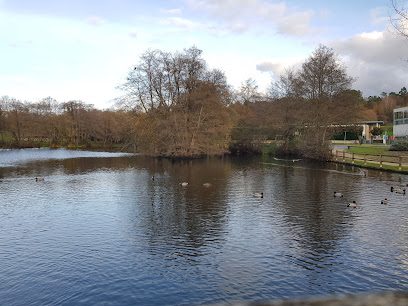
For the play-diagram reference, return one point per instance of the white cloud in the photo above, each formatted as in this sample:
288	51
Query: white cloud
377	59
21	44
95	20
275	68
16	79
379	16
296	24
179	23
174	11
371	35
243	15
133	33
278	65
238	28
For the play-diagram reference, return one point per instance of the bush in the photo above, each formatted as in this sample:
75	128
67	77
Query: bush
399	145
376	131
270	149
352	132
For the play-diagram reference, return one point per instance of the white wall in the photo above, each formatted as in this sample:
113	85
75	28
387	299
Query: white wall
401	130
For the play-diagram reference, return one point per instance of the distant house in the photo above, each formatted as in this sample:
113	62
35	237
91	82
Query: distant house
367	128
401	122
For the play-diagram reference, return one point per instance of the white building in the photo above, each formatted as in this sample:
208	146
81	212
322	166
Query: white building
401	122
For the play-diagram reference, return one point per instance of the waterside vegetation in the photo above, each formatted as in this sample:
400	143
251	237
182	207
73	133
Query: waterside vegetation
175	106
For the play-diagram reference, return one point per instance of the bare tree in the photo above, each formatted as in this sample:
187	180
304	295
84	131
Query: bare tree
178	103
323	75
286	86
317	97
399	18
248	92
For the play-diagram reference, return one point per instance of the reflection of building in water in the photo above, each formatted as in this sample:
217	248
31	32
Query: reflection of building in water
401	122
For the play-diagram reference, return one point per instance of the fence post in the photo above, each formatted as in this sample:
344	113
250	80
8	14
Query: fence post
352	158
380	161
337	153
400	163
365	160
344	156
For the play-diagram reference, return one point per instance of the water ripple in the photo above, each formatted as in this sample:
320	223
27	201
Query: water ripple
100	231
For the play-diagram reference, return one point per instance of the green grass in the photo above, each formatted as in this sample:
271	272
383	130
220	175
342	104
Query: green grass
377	165
369	149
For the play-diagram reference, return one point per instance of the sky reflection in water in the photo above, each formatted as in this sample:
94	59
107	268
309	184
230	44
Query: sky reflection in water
98	229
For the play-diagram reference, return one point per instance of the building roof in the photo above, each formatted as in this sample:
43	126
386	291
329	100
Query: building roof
371	122
401	109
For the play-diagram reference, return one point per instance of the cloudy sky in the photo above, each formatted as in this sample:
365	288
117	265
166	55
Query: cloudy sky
83	49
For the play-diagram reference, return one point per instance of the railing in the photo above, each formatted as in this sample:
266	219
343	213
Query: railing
380	160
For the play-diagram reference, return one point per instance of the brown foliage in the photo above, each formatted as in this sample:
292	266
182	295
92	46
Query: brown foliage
200	125
182	106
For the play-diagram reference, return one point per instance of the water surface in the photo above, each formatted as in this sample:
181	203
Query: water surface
99	230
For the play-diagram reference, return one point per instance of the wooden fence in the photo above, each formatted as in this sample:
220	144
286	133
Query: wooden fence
363	159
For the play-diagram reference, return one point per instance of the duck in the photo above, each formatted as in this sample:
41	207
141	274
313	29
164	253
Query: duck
184	184
207	185
39	179
397	190
352	204
153	178
258	195
385	201
338	194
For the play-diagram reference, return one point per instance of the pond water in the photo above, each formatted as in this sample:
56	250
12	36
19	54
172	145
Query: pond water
99	230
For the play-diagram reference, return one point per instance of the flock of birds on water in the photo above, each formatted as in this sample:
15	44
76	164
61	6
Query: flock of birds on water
352	204
385	201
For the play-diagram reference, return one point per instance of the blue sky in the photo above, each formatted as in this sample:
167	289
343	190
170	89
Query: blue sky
82	49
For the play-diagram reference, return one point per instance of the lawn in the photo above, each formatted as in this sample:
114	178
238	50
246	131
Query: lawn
370	149
377	165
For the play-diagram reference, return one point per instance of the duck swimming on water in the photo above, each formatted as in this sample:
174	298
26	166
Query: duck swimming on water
352	204
398	190
338	194
258	195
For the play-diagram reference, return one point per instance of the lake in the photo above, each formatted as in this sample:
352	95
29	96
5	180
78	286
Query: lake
99	230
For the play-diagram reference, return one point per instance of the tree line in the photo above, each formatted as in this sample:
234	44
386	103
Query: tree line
51	123
174	105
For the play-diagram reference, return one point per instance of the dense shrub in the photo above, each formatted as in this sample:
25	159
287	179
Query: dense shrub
399	145
352	132
271	148
376	131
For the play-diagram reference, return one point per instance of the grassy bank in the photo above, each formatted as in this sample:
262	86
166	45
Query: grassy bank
376	157
370	149
373	165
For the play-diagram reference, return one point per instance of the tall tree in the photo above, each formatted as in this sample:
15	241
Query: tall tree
322	75
286	86
321	92
181	104
248	91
